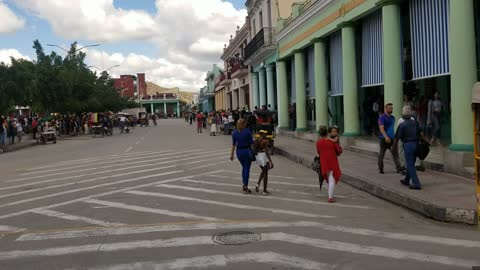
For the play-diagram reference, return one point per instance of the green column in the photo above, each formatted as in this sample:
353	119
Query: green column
256	101
165	108
463	69
178	109
301	94
350	85
282	96
262	87
321	84
392	56
270	87
151	108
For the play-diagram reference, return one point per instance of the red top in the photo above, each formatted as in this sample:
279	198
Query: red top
328	152
199	120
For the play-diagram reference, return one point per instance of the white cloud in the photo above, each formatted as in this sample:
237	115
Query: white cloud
5	55
9	21
188	35
159	70
95	20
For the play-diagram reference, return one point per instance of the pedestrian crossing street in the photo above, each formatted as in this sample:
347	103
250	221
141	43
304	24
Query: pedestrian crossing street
160	209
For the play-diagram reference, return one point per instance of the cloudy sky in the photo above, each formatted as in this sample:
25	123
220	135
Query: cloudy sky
173	41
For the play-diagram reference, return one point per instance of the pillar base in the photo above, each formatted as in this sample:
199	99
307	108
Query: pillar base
351	134
302	129
455	162
461	147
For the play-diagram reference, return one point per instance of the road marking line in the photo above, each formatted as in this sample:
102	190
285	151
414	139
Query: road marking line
101	172
128	149
273	182
272	189
129	161
206	166
207	240
97	158
79	182
78	190
94	229
52	213
262	197
169	227
19	213
10	229
368	250
233	205
149	210
223	261
274	176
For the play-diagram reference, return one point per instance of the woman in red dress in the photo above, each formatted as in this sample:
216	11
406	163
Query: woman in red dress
328	150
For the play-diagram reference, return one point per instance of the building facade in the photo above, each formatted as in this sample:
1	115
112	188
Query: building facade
131	85
233	86
207	93
337	58
261	51
164	104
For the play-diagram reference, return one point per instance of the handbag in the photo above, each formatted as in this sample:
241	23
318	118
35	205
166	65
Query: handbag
423	148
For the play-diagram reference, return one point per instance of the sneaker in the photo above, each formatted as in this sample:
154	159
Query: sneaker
381	172
331	200
266	193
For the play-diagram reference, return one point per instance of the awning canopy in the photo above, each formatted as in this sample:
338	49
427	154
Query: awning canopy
372	50
336	72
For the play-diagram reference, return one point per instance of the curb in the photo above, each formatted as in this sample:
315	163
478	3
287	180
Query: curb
422	207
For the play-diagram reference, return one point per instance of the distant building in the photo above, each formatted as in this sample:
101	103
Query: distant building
130	85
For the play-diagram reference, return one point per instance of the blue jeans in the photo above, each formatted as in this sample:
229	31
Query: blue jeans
244	158
2	139
410	149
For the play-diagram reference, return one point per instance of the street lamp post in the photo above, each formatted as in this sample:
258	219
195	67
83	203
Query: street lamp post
114	66
60	47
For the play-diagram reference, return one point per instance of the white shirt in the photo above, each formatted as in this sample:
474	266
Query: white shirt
19	127
122	118
230	119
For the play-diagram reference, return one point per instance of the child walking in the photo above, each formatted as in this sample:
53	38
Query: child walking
263	160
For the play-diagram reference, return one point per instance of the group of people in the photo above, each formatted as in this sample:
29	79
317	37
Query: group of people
11	128
429	112
405	139
249	150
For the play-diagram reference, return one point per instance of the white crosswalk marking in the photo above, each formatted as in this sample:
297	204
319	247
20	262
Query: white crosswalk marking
121	162
9	229
100	194
65	216
86	160
275	236
270	189
149	210
272	258
262	197
88	187
124	166
233	205
269	181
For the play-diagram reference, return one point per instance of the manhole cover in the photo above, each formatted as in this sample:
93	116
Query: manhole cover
236	238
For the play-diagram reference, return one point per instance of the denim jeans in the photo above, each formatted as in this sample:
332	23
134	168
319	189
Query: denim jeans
410	149
243	156
2	139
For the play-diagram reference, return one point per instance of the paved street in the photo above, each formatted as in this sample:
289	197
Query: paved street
155	199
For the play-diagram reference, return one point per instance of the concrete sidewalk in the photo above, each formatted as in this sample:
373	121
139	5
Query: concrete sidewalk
444	197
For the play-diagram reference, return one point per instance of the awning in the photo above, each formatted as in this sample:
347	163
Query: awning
429	24
372	50
336	73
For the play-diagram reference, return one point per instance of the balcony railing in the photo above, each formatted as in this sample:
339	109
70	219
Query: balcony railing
224	76
264	38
